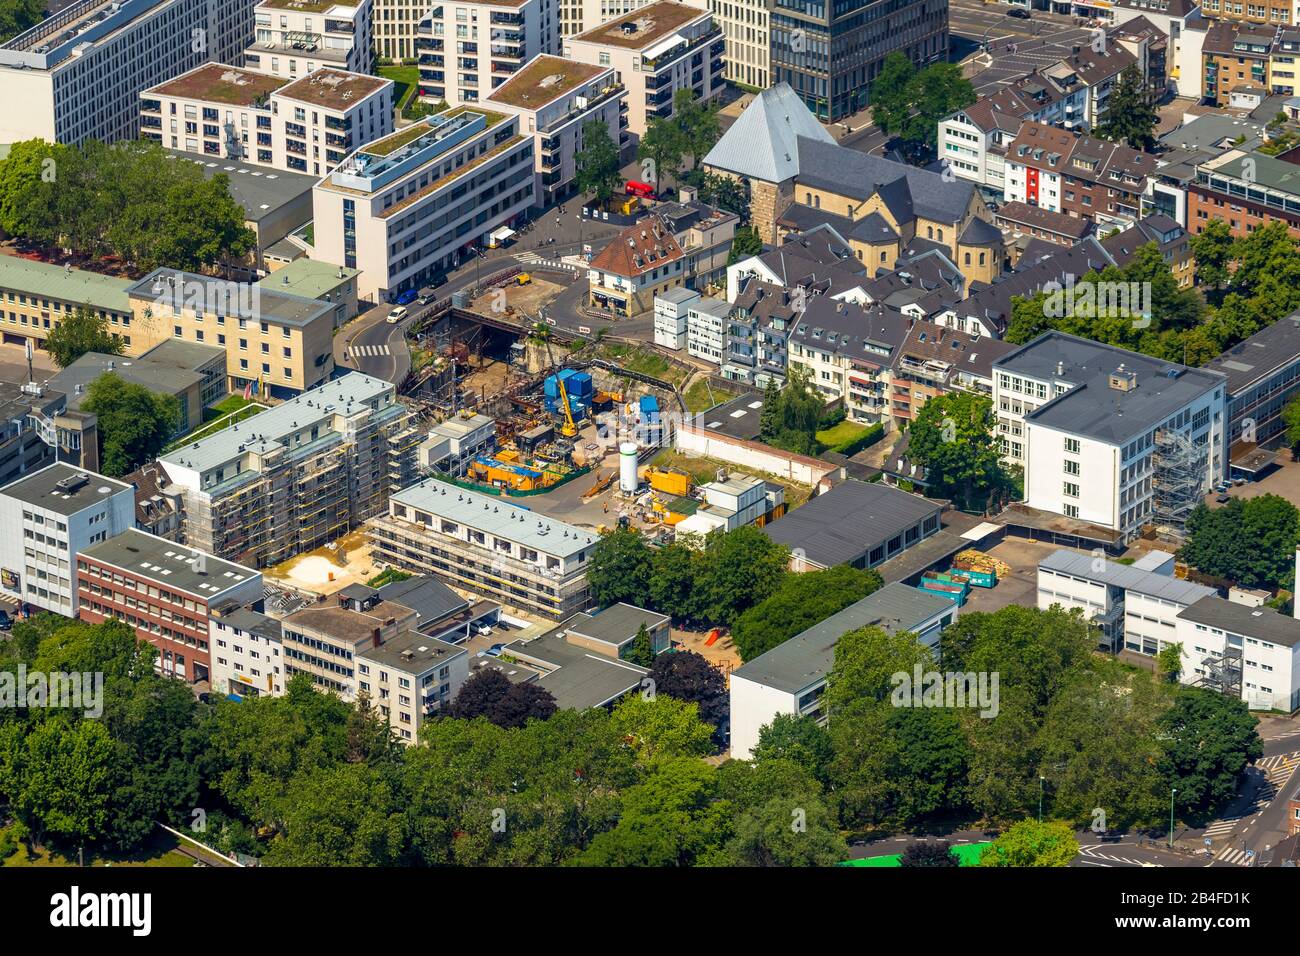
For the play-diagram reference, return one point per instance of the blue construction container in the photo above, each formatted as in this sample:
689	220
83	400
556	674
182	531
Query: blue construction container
579	385
550	388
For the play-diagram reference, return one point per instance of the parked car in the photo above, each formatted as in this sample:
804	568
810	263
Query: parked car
6	621
484	631
425	298
396	315
1018	13
1223	499
496	649
407	297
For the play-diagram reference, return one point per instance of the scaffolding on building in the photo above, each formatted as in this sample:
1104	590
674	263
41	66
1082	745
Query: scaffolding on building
1179	478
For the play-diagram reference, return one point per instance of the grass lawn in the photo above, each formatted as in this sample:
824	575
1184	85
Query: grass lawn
845	431
644	362
243	410
968	853
703	470
704	395
158	850
406	80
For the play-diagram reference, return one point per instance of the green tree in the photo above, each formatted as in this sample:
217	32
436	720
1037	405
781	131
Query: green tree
801	601
660	728
909	103
79	333
1169	662
672	580
345	815
597	168
1291	418
619	569
688	677
797	415
799	739
792	830
745	244
697	124
890	102
641	651
660	149
17	16
1248	541
952	437
1208	740
1030	843
736	570
1212	251
866	661
134	423
1131	115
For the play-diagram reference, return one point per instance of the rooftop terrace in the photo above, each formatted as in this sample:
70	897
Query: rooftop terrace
544	80
334	89
642	27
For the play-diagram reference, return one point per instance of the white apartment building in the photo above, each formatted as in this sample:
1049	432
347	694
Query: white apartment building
406	208
1109	436
554	100
1136	607
46	519
411	679
245	651
744	24
706	329
78	74
672	323
395	23
295	37
655	51
467	50
1251	652
306	125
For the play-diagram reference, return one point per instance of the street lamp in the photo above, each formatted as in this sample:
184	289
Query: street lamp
1172	791
1041	781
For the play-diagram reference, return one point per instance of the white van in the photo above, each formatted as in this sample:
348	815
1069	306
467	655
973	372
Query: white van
396	315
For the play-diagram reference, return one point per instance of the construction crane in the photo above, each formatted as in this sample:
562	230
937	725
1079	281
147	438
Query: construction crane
568	429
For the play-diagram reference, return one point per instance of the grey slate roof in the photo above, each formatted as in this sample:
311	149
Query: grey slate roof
847	522
980	233
616	624
1264	352
1261	623
429	598
761	144
1091	407
1118	575
807	657
906	190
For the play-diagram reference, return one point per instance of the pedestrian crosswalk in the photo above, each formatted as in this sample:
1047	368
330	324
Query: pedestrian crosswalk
1234	855
365	351
1277	771
1221	827
536	258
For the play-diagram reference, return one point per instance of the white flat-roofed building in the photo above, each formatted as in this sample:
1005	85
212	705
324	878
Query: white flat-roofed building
486	544
297	37
411	679
1251	652
467	50
791	677
307	125
1107	436
555	99
78	74
46	520
655	51
293	477
245	649
407	208
1135	608
672	309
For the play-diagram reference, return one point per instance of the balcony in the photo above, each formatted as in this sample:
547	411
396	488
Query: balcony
593	102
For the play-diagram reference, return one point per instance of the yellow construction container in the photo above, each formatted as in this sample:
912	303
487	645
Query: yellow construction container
669	482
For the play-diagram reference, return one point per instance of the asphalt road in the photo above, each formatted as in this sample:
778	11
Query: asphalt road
1038	42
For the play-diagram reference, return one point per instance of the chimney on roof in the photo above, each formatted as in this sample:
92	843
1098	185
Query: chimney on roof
1123	380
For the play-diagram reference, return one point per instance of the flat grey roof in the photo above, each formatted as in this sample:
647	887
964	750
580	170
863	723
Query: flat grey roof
169	563
256	303
155	376
580	678
1271	348
246	619
847	522
807	657
187	355
424	653
737	417
265	429
1262	623
1122	576
259	190
495	515
40	488
616	624
1092	408
429	598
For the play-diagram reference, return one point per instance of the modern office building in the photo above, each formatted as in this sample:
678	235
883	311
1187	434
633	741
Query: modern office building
78	74
555	99
672	308
46	520
467	50
164	592
1107	436
744	23
408	207
486	544
791	678
23	448
297	37
1246	190
655	51
306	125
830	53
293	477
276	343
708	329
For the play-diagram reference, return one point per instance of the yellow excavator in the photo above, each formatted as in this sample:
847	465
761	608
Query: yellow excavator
568	429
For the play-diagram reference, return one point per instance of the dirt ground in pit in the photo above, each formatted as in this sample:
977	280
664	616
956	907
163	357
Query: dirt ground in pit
526	298
487	379
326	569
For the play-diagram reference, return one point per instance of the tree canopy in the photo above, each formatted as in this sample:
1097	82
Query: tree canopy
952	437
1250	541
597	167
81	332
908	103
134	423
